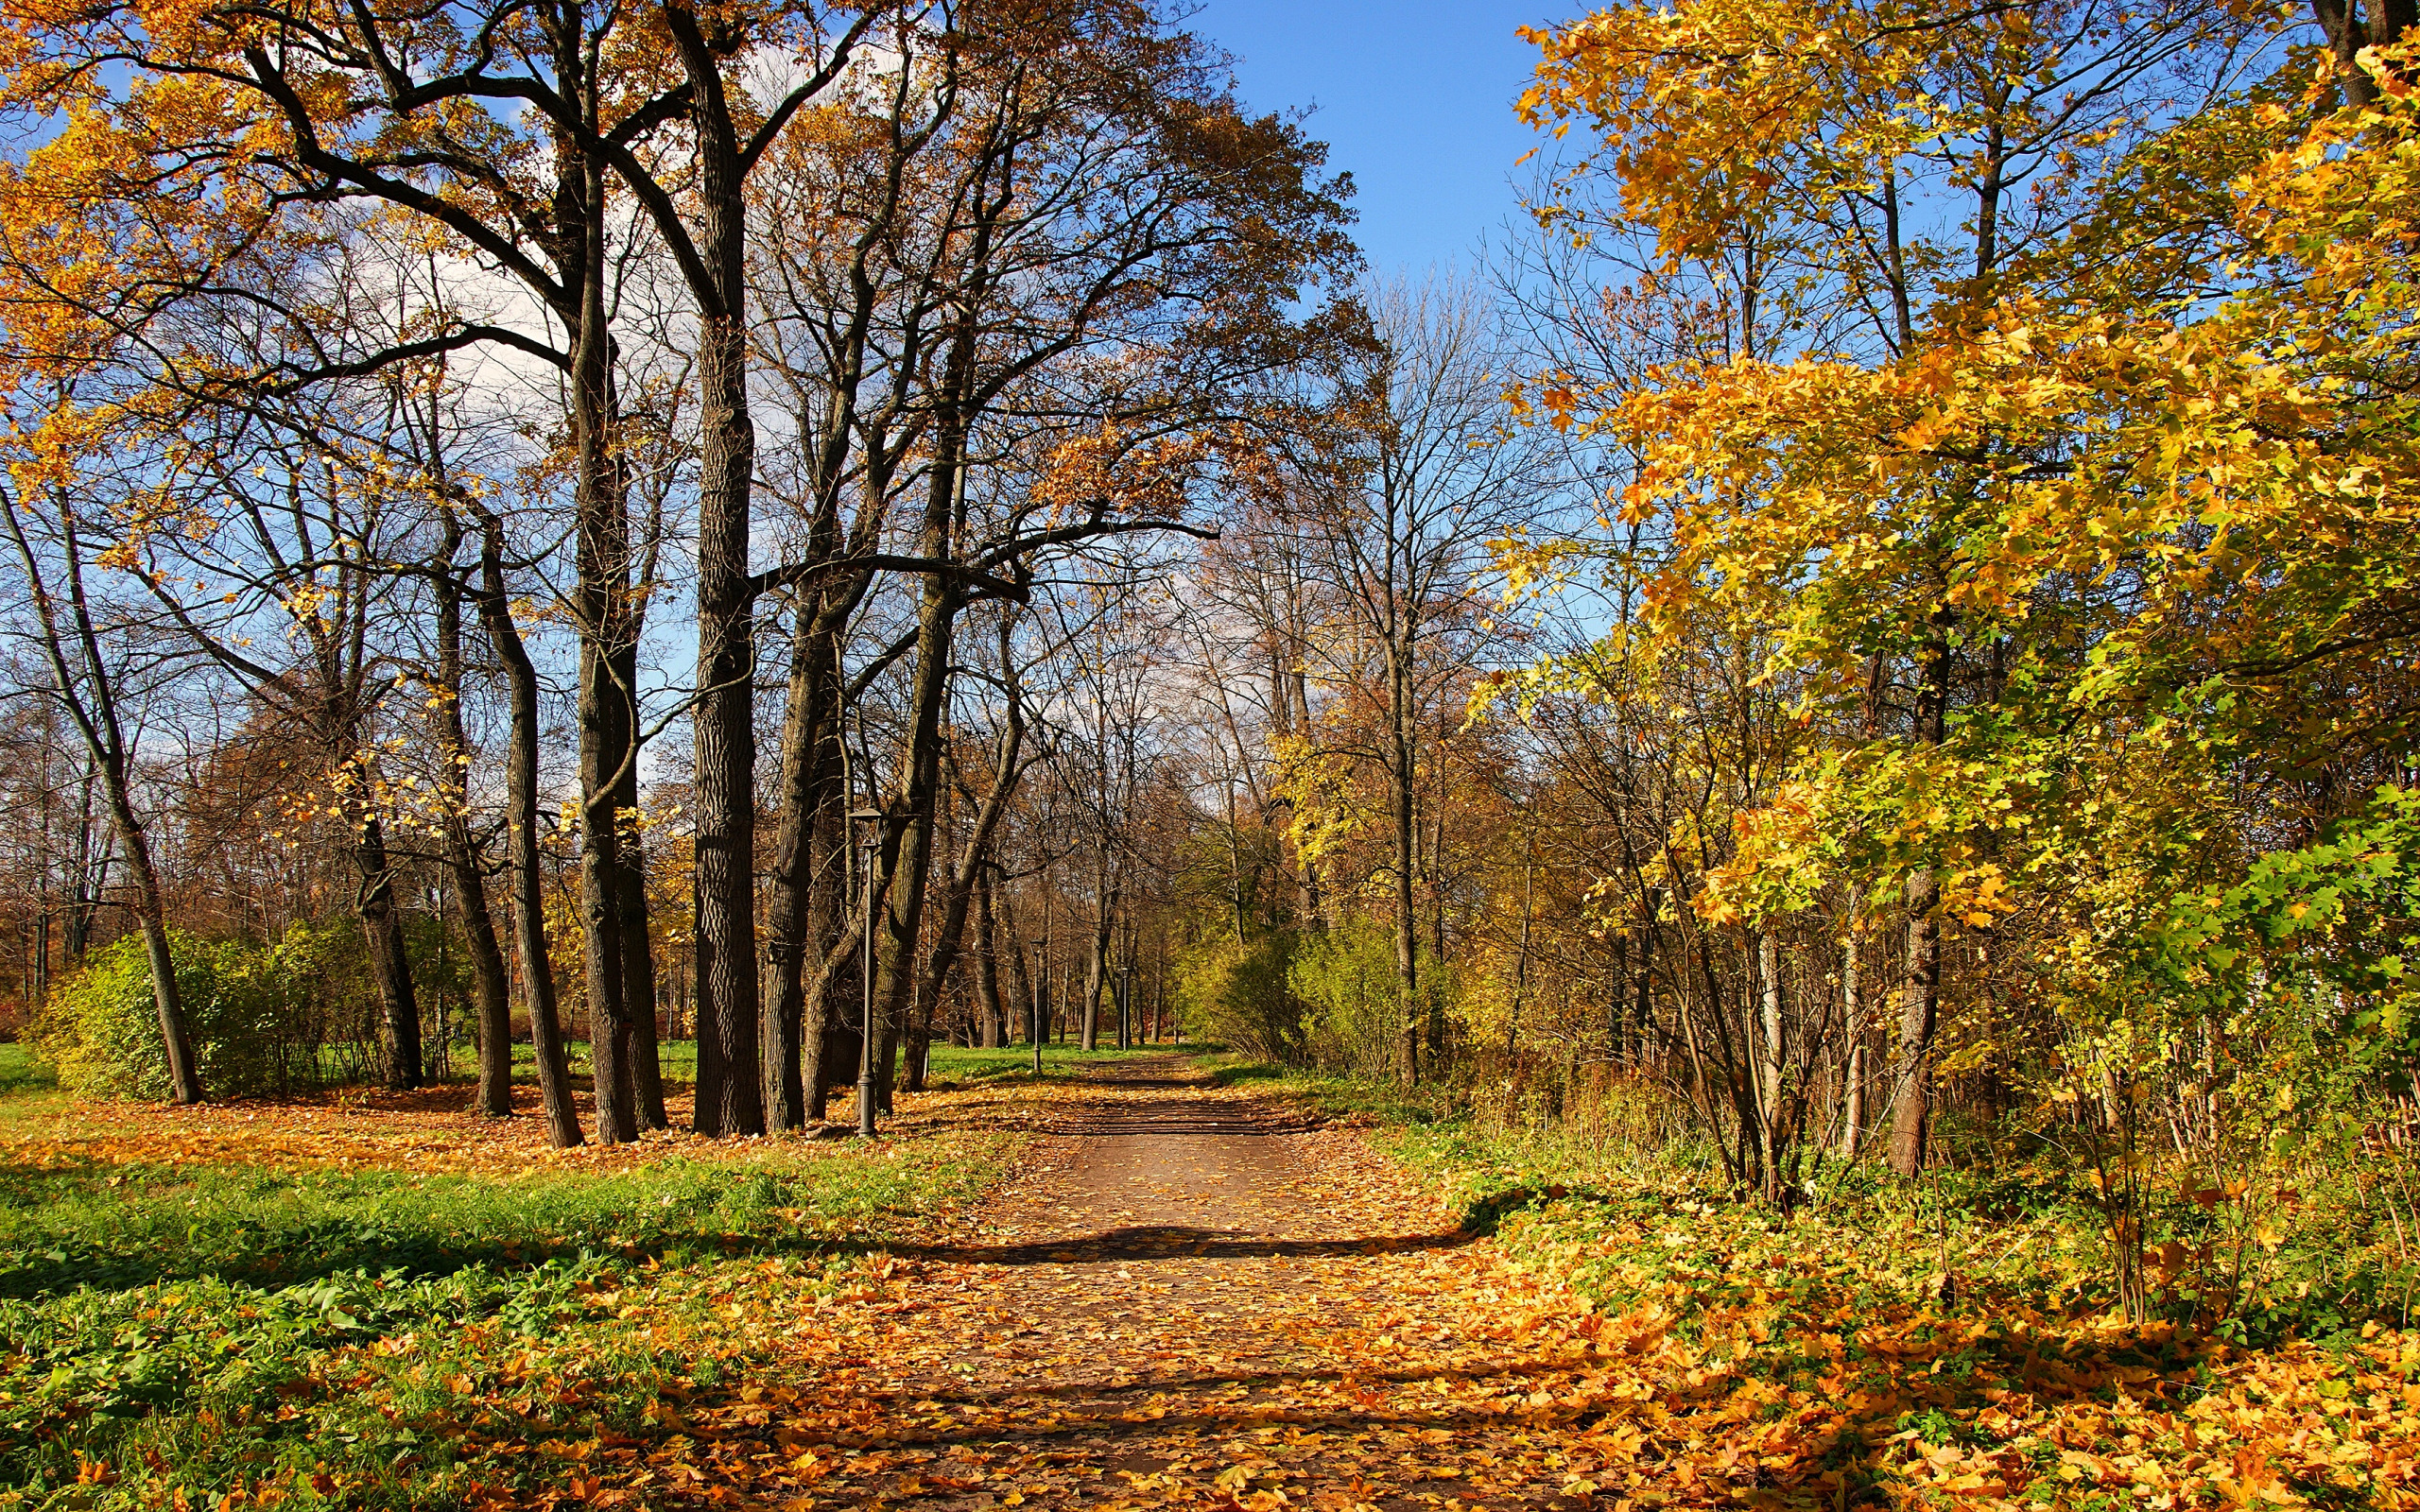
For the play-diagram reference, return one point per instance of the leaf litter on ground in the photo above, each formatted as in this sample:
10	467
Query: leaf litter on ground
1197	1297
1184	1295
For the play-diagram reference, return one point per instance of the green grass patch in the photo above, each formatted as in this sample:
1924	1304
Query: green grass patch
1339	1096
21	1073
373	1337
28	1088
970	1067
676	1058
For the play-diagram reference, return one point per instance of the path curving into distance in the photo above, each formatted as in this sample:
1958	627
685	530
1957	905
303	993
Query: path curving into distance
1192	1296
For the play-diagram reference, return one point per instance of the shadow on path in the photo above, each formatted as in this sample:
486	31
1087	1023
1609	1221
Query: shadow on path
1166	1242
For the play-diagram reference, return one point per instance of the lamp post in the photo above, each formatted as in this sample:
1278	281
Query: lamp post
870	849
1041	987
1126	1006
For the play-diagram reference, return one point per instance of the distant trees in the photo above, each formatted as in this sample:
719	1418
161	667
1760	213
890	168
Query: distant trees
422	411
1427	476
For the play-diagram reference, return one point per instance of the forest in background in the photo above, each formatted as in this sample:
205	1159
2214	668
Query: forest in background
1865	642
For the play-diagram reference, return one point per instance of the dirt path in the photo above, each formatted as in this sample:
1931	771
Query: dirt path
1193	1296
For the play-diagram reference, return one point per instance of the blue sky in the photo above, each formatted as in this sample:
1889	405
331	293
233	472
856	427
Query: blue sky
1416	99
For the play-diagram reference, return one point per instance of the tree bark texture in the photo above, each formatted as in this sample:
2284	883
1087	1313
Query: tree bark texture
730	1086
520	844
391	964
490	982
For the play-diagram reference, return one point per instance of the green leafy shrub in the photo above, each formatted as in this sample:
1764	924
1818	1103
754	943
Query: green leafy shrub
1237	993
248	1007
1354	1013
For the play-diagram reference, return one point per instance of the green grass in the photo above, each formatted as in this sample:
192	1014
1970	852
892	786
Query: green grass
115	1226
370	1338
678	1059
1387	1103
29	1090
21	1073
378	1337
966	1067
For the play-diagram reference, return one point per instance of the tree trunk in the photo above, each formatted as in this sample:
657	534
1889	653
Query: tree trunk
1436	874
605	715
730	1092
909	856
167	1000
1019	986
520	844
168	1003
1406	839
890	1023
729	1088
967	885
602	734
638	979
91	703
2348	32
920	1037
993	1031
791	886
838	927
390	967
1096	957
1852	1014
1919	1005
492	986
1769	1067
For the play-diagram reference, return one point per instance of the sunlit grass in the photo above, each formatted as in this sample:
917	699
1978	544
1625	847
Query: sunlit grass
182	1328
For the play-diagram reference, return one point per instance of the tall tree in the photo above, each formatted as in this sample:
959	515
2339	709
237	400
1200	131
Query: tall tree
87	685
362	105
1124	232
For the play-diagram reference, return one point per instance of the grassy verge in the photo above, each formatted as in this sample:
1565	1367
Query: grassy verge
678	1059
21	1073
29	1089
1950	1341
960	1065
179	1330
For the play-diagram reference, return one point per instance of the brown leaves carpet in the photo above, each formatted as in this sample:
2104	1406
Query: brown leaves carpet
1190	1296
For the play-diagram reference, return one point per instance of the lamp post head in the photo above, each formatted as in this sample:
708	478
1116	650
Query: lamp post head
866	814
